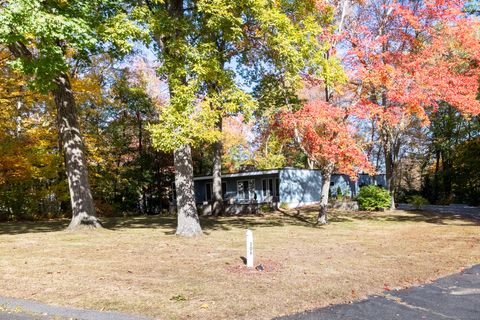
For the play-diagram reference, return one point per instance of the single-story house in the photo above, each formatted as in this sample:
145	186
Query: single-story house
351	188
289	186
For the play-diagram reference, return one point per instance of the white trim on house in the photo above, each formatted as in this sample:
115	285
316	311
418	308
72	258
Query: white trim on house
240	174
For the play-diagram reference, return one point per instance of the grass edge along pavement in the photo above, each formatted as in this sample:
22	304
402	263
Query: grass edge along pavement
452	297
11	308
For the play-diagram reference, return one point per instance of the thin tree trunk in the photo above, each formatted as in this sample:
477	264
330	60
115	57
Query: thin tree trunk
188	222
435	177
83	208
310	163
140	158
322	214
217	198
390	174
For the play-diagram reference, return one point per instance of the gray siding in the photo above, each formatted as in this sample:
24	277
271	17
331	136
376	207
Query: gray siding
346	185
300	187
379	180
350	187
297	187
232	191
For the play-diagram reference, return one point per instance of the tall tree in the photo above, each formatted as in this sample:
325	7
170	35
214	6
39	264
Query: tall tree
407	57
182	124
263	36
447	131
321	130
322	123
50	39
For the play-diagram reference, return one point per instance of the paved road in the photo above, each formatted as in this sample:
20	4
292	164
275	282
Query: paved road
453	297
18	309
460	210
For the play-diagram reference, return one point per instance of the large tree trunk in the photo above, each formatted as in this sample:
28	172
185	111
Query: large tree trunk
217	198
83	208
188	222
322	214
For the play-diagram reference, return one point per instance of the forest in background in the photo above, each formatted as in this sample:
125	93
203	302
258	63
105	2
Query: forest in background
123	100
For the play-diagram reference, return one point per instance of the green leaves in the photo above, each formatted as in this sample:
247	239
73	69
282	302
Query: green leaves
373	197
59	32
208	47
184	127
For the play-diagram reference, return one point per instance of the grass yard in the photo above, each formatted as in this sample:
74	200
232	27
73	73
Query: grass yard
138	266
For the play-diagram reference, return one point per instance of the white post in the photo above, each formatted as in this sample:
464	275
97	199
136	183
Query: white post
249	249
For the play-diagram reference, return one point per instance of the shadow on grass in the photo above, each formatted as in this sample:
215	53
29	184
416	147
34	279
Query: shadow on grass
167	223
33	226
404	216
304	217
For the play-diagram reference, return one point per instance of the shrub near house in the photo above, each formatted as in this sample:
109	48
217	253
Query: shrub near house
373	198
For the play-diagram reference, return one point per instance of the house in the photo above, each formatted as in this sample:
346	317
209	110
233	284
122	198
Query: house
294	187
291	187
351	188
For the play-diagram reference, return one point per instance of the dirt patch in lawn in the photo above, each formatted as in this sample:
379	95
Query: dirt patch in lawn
138	266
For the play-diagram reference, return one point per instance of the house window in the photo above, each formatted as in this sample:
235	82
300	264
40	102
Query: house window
277	187
224	190
267	187
208	191
246	189
332	183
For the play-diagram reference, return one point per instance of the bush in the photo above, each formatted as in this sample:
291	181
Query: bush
402	195
417	201
264	208
283	205
339	193
373	198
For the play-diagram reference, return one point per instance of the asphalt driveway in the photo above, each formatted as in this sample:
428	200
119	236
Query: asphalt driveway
459	210
453	297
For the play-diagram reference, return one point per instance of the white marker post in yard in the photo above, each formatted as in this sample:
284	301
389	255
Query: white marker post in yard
249	249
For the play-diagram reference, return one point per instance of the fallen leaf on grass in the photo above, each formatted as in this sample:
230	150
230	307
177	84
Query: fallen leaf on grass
178	297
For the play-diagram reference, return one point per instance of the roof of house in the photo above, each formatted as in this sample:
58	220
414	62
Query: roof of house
241	174
260	173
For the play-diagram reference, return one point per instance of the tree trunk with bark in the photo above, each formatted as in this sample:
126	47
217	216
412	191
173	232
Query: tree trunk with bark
83	208
390	174
188	224
322	214
217	198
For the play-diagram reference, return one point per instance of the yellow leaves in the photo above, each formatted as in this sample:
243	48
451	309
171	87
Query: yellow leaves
29	36
27	137
87	88
94	149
